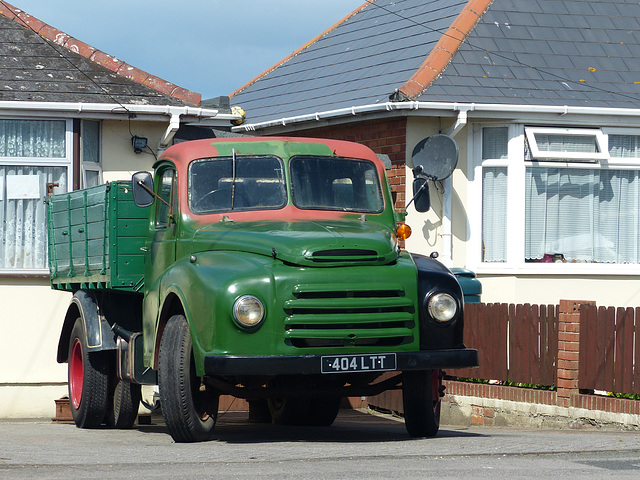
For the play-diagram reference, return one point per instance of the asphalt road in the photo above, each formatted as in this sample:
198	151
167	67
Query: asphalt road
357	446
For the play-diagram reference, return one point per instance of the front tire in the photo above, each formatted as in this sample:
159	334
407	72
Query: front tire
88	380
421	401
189	410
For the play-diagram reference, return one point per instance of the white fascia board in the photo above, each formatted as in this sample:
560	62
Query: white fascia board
114	110
520	110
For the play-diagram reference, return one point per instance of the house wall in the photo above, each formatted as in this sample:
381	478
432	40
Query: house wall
32	313
533	287
119	159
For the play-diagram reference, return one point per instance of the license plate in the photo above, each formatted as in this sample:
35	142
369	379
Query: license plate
369	362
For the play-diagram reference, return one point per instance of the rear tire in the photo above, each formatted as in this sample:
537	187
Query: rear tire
88	374
289	410
308	412
189	410
421	401
125	402
323	411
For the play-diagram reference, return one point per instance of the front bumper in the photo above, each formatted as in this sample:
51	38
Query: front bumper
312	364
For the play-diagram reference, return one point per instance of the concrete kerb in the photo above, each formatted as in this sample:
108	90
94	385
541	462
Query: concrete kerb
462	410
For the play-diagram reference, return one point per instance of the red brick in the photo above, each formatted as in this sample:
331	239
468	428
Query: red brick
566	383
476	420
569	346
568	364
567	374
571	327
568	355
569	336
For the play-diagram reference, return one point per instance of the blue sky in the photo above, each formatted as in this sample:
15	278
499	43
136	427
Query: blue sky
208	46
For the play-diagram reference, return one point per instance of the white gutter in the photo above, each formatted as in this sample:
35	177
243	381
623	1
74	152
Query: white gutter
174	125
116	110
119	111
447	106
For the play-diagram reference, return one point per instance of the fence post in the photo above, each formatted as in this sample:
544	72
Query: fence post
568	350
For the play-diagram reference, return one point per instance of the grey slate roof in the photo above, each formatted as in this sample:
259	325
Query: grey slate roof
527	52
33	68
359	62
548	52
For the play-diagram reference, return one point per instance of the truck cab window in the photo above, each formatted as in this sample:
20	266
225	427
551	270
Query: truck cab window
166	191
246	183
331	183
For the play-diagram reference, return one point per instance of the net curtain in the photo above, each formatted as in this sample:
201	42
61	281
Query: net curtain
23	235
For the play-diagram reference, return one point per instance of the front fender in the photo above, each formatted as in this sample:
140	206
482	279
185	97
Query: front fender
207	285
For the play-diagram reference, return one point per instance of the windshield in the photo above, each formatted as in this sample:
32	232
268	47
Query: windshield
226	184
334	183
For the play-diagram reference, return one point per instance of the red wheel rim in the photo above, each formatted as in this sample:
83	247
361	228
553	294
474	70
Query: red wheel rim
76	374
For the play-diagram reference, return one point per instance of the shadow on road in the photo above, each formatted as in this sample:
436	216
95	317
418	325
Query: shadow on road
350	426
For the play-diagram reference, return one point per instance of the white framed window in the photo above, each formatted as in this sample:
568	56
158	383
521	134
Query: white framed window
90	153
566	144
35	158
545	212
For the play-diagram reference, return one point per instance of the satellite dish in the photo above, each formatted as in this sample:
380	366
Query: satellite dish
435	157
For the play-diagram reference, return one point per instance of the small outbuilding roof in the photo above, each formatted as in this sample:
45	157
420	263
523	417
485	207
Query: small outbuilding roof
526	52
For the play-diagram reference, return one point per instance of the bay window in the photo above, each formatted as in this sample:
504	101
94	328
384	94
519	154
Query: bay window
563	196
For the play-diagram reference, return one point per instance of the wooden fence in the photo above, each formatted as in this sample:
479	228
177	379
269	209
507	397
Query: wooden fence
609	356
515	343
575	347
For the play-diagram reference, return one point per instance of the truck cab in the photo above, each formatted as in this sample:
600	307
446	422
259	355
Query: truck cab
272	271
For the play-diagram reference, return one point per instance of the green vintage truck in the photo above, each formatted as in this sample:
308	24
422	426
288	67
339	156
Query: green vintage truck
264	268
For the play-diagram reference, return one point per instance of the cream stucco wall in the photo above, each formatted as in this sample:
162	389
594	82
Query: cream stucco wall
428	228
30	378
606	291
31	313
119	159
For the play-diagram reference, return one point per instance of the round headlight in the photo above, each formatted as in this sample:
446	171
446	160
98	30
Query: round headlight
248	311
442	307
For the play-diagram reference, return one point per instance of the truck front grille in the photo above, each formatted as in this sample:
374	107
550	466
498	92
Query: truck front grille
346	315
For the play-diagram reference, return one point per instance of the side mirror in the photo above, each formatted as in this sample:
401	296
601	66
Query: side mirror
421	198
142	185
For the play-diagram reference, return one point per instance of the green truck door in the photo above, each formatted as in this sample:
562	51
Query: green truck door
161	246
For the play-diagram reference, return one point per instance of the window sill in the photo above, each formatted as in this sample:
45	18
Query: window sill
557	269
24	274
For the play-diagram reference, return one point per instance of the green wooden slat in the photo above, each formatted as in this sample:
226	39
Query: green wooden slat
91	226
